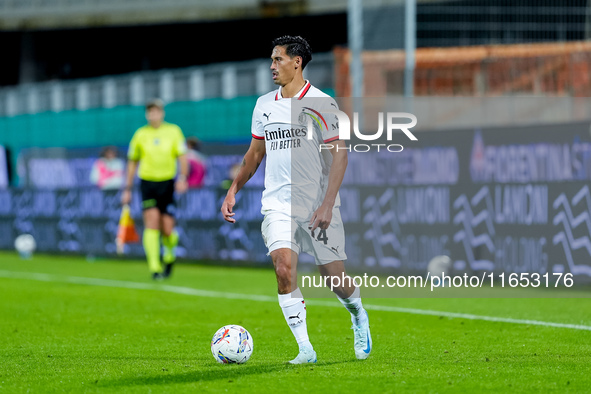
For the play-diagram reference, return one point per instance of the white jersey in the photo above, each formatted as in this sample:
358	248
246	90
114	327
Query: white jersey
296	172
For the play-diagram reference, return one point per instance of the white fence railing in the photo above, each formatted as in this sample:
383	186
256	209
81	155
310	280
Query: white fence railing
225	80
44	7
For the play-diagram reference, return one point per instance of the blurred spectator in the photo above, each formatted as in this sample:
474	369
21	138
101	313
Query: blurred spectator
232	174
197	167
109	170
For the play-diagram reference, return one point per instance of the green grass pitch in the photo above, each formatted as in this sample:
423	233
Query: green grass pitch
60	332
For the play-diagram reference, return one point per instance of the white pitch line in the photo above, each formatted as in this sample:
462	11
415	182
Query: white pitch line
262	298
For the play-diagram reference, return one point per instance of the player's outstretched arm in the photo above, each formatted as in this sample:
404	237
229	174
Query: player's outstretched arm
251	162
131	169
323	215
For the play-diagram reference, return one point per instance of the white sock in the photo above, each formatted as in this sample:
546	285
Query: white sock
354	305
294	311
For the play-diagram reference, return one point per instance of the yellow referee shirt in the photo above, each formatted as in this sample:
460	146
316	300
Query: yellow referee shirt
157	151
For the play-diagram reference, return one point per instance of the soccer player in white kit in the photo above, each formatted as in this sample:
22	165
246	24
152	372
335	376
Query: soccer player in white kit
300	201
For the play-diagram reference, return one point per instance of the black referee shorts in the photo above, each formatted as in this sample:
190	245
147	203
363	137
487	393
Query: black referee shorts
158	195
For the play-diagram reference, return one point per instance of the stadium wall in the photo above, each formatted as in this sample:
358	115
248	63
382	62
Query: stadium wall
210	120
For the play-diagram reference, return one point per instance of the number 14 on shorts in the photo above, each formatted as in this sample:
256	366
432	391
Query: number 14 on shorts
321	236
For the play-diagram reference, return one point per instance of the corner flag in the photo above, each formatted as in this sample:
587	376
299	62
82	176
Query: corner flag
126	232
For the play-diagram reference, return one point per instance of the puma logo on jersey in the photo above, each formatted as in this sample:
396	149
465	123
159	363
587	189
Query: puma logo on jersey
267	116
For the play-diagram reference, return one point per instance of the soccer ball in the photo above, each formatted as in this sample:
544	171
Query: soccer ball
438	266
231	345
25	245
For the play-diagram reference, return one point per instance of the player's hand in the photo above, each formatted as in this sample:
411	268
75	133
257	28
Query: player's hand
126	197
227	207
321	218
181	186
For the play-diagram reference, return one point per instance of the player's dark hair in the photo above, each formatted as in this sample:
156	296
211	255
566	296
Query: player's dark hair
295	46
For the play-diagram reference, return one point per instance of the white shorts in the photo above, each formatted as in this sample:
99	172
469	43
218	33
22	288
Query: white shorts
280	230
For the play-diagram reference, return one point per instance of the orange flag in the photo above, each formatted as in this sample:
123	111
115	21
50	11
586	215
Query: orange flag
126	232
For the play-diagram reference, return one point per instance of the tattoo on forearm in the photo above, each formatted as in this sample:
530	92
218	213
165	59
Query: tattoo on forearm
255	170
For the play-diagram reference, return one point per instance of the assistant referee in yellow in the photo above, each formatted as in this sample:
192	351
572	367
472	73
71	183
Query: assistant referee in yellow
156	148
